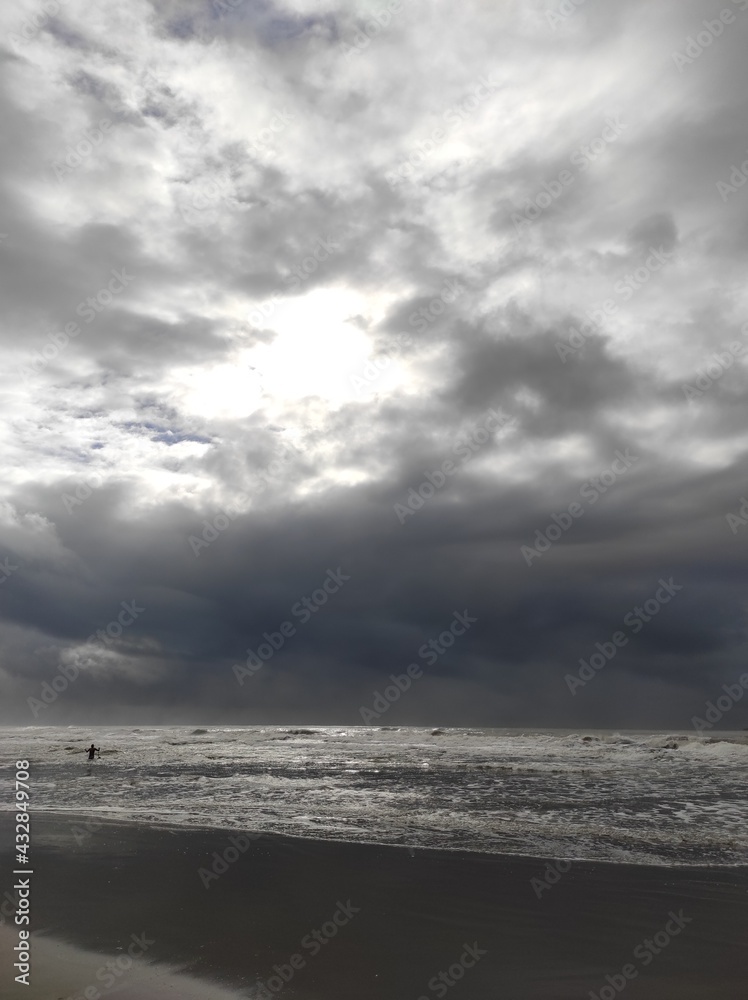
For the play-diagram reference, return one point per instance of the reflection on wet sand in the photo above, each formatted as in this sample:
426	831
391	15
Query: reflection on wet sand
65	971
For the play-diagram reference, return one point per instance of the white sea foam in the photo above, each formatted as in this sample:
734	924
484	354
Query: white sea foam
604	796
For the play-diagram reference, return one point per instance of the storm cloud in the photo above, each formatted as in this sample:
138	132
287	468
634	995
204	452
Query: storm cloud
444	305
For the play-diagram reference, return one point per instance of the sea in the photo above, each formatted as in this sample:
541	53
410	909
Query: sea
657	798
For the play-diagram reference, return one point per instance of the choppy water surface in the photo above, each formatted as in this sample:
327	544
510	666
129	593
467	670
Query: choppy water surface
657	798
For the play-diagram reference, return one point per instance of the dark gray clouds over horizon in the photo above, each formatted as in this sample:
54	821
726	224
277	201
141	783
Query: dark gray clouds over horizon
332	257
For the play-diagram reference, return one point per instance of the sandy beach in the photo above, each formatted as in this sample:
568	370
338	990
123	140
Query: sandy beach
224	914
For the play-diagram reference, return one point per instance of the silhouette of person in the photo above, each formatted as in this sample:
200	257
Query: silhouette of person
91	751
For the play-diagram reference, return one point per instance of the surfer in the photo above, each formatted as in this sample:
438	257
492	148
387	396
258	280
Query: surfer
91	751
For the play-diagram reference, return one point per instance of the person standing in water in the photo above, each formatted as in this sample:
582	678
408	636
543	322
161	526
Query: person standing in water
91	751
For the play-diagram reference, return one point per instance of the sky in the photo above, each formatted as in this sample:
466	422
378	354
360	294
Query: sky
372	363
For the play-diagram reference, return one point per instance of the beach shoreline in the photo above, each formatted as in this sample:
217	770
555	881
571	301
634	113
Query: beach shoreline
651	799
237	912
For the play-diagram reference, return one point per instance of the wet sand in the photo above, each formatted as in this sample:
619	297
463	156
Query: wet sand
350	920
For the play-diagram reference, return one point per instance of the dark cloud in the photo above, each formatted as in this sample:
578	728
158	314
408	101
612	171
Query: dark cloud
370	331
